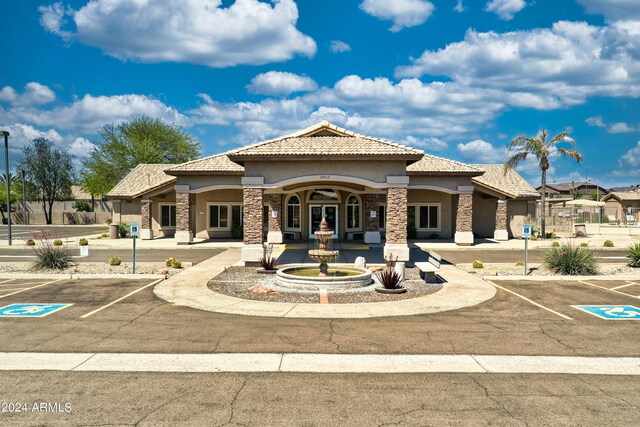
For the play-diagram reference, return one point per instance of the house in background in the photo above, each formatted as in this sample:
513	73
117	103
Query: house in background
564	191
624	206
366	188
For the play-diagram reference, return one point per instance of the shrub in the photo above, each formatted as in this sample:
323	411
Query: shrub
534	237
572	261
477	264
551	236
115	260
168	261
57	242
633	254
519	264
176	263
555	244
30	242
103	235
584	244
608	244
99	236
388	278
267	261
123	229
82	206
50	256
580	234
83	242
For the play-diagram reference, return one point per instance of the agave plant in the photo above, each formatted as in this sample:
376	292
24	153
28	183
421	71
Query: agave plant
389	278
633	254
268	262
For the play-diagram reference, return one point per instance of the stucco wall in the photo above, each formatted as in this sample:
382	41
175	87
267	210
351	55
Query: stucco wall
484	215
517	212
201	212
156	202
126	211
448	182
202	181
447	220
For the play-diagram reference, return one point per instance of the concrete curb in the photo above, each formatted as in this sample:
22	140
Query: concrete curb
74	276
190	289
563	278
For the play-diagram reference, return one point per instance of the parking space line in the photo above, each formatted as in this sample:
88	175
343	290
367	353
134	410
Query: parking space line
28	289
624	286
7	281
607	289
120	299
564	316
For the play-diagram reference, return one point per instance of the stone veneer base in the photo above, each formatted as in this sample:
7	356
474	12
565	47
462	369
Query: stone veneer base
183	237
251	254
274	237
501	235
463	238
400	250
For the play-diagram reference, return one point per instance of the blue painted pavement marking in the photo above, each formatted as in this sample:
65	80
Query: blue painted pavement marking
611	312
31	310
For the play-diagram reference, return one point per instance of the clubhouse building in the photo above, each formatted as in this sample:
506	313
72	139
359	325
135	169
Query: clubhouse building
368	189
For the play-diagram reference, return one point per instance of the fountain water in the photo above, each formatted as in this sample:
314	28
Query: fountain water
322	254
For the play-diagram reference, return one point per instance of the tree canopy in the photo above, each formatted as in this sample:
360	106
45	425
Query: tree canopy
50	170
122	147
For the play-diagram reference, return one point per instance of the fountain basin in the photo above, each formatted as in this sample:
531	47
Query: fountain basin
305	277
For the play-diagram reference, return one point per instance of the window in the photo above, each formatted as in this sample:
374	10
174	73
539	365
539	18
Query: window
382	217
293	213
353	212
167	216
424	216
323	194
218	216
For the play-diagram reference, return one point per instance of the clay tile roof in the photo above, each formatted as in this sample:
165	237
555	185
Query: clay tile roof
623	195
328	140
142	179
218	164
512	184
434	165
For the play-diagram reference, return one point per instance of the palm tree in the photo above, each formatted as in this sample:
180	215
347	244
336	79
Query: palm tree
542	148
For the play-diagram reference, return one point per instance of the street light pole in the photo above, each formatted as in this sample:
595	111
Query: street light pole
24	200
6	159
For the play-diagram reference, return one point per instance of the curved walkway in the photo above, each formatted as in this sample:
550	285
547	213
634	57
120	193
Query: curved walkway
190	289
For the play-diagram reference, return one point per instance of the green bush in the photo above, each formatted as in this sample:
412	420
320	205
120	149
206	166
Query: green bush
30	242
83	242
176	263
584	245
123	229
551	236
168	261
555	244
477	264
99	236
633	254
50	257
115	260
608	244
82	206
572	261
57	242
534	237
519	264
103	235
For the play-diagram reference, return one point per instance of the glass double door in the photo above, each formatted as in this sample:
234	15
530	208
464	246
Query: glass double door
328	212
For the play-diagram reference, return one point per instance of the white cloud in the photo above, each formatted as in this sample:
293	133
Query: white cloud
428	144
505	9
620	127
193	31
8	94
403	13
613	10
34	94
281	83
541	68
21	134
595	121
338	46
481	151
630	161
459	7
81	147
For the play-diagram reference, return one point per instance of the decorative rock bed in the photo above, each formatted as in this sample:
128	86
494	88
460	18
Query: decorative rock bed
96	268
244	282
536	269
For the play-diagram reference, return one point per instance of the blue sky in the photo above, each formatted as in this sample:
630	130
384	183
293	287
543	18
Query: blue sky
457	79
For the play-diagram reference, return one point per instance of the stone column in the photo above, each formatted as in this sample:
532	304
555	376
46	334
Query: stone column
371	229
146	226
464	217
396	242
252	196
275	219
183	234
501	232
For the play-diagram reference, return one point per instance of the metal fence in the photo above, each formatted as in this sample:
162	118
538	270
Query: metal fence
592	220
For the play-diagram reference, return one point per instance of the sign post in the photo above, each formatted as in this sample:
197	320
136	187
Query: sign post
134	231
526	235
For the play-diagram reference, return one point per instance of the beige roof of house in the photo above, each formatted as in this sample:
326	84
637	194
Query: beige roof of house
434	165
511	185
142	179
219	163
325	140
623	195
77	193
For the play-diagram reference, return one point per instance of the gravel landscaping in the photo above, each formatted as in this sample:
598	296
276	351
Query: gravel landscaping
96	268
239	281
540	270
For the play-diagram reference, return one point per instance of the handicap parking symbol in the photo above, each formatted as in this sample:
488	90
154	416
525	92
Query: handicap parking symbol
612	312
31	310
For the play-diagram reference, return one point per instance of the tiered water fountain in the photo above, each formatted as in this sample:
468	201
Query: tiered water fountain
311	278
